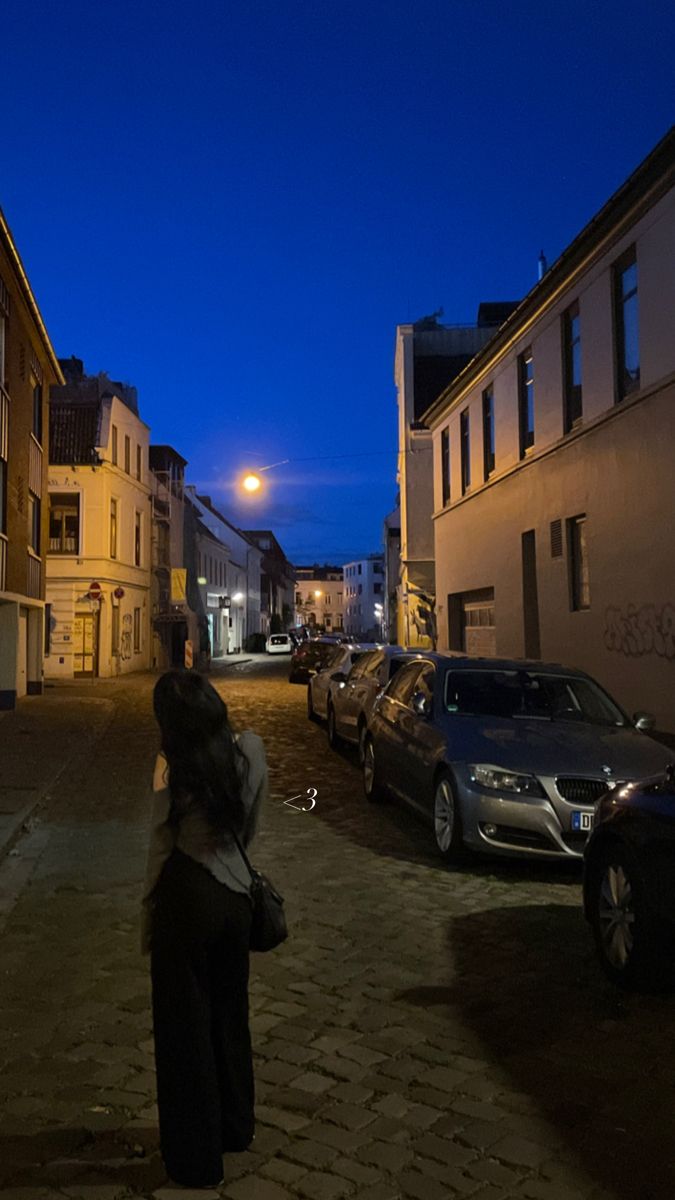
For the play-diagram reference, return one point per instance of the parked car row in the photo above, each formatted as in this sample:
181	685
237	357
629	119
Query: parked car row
520	758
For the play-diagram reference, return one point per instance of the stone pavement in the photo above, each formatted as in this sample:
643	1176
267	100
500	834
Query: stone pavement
424	1033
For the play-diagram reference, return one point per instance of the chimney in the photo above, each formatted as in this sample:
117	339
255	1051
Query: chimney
542	264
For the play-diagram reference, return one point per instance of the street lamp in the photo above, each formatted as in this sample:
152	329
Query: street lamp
251	481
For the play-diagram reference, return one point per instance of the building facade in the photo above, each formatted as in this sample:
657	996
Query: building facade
427	357
554	489
392	577
364	595
99	529
28	368
319	595
277	583
228	565
174	622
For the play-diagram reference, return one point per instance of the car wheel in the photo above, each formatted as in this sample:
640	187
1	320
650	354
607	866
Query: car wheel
372	786
362	742
634	947
447	819
310	707
334	738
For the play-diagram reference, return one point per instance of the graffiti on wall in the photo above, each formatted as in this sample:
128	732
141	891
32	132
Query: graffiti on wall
125	640
639	631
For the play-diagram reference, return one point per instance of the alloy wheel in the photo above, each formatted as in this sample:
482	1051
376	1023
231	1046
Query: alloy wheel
616	916
444	815
369	768
362	744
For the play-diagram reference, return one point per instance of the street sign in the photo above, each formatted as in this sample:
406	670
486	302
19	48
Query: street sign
188	654
95	590
118	593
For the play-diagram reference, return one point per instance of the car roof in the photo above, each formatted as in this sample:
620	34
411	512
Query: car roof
467	662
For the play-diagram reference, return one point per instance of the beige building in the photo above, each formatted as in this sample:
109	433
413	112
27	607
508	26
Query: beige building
99	529
554	486
28	367
319	595
427	357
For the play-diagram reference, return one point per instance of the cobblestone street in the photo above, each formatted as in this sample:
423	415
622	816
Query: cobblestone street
424	1033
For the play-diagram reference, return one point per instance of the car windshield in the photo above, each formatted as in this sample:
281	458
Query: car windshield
533	695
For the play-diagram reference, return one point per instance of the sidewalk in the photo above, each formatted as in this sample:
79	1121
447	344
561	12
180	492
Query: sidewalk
38	741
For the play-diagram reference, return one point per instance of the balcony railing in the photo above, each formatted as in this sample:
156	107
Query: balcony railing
34	582
3	562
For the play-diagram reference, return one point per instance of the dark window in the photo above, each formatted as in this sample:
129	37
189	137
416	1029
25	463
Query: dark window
139	462
402	686
115	629
526	401
465	448
425	683
34	522
127	454
37	411
580	593
488	432
64	523
113	529
113	450
137	540
445	466
572	366
377	588
359	568
556	539
626	325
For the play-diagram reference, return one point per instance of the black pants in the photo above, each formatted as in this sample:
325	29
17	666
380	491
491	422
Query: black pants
199	964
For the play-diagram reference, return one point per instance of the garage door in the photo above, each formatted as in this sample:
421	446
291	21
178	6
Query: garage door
478	627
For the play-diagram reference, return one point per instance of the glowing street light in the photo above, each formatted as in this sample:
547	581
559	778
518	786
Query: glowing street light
251	482
317	594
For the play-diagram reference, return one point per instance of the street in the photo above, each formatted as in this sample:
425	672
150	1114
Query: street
423	1033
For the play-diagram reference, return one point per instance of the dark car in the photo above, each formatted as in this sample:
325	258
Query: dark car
503	756
629	882
352	695
309	658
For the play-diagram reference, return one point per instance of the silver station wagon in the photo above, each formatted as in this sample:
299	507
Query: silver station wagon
503	756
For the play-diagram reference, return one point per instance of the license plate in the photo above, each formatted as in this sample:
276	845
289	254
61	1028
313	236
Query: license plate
582	821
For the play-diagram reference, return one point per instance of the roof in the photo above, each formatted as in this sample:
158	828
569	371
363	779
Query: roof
207	502
650	181
431	375
73	433
27	291
161	453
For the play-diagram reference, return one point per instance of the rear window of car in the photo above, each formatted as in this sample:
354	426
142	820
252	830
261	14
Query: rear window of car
279	640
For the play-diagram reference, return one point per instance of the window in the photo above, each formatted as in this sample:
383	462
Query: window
113	446
34	522
113	529
526	401
425	683
127	454
627	347
488	432
445	467
64	523
465	450
137	631
139	462
402	686
137	539
359	568
580	594
37	410
572	367
3	323
377	588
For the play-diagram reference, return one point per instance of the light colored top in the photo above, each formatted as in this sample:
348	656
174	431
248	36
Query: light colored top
194	836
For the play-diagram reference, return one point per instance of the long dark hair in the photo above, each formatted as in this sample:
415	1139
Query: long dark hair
199	746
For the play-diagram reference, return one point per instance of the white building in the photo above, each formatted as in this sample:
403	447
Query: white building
553	461
228	576
319	597
99	529
364	597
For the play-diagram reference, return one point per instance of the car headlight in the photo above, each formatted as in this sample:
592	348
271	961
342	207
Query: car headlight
499	780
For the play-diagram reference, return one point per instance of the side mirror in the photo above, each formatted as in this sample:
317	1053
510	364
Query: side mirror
420	704
644	721
339	677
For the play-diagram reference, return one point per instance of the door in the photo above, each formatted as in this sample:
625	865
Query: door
530	596
22	655
84	645
389	726
479	636
423	743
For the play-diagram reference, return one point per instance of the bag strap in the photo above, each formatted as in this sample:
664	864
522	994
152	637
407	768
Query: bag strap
243	853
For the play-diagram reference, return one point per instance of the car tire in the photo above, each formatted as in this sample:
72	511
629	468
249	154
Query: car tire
634	946
448	831
363	733
334	738
373	789
310	707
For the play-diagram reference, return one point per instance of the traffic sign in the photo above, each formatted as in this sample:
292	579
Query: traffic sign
95	590
118	593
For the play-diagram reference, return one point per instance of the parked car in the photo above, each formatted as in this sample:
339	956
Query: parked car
279	643
503	756
319	684
352	695
629	882
309	658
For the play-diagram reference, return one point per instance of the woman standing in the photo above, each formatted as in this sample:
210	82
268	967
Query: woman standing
197	919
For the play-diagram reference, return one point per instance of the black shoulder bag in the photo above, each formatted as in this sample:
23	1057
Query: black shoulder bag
268	927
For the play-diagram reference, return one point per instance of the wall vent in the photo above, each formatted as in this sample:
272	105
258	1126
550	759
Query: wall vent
556	539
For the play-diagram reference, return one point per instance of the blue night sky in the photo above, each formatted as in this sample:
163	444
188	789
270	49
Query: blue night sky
232	206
